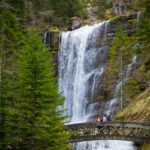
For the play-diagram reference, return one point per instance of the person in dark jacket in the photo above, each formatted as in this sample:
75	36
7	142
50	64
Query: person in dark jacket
109	118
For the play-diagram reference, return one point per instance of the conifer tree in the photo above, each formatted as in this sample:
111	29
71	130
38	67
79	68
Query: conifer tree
144	35
118	52
120	46
40	123
131	89
68	8
102	6
144	30
119	57
10	40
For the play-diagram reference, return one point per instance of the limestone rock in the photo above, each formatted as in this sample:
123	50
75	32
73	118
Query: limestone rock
76	23
51	38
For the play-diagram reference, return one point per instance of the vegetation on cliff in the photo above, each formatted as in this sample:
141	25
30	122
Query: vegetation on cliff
136	90
138	110
119	58
124	46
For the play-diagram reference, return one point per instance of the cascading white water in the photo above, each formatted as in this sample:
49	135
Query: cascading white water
77	65
81	67
138	15
45	36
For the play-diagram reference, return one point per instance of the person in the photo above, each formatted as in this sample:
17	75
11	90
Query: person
99	119
108	117
104	118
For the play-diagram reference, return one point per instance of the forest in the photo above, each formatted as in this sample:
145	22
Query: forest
30	118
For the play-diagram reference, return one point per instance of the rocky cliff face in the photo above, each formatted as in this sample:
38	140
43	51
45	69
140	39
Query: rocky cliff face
51	38
121	7
103	41
101	94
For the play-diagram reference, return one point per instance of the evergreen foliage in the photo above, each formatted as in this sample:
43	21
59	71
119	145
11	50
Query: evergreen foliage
144	36
119	53
144	30
66	9
143	45
29	96
120	56
10	42
41	5
102	6
40	123
144	4
16	7
131	88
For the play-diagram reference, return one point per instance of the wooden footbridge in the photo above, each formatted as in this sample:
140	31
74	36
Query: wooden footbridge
109	131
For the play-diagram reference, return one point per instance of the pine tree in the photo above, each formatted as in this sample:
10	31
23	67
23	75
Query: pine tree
119	57
40	123
10	41
144	5
131	88
119	52
67	8
102	6
143	36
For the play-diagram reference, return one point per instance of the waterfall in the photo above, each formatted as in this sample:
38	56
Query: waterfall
81	64
45	36
79	68
138	15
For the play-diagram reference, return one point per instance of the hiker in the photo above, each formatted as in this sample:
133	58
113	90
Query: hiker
99	119
108	117
105	118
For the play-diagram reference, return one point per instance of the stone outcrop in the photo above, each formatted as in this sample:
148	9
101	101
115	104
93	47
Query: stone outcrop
76	23
51	38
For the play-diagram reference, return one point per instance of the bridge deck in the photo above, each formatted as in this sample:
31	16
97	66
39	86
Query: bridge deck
109	131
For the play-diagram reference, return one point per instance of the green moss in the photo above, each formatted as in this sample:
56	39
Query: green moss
74	18
54	29
117	18
145	147
119	120
142	68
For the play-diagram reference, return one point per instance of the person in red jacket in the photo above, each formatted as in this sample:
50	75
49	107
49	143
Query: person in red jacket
99	119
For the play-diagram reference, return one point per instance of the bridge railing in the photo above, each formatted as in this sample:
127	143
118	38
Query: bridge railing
111	130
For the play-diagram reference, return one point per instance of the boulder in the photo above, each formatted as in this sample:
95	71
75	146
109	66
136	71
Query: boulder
76	23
